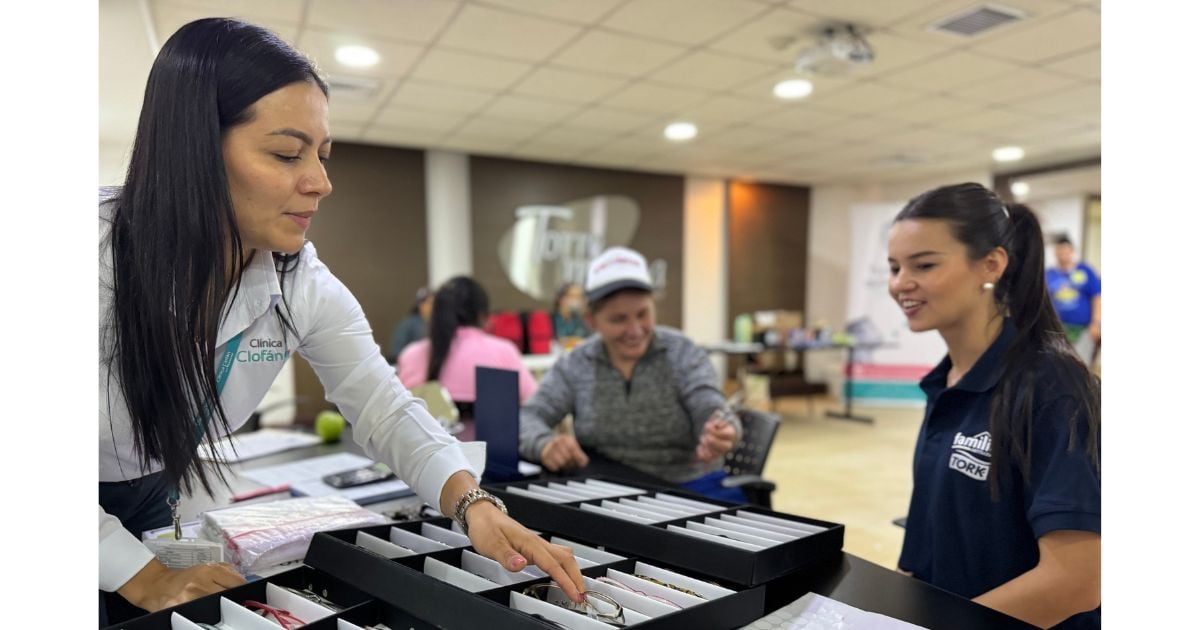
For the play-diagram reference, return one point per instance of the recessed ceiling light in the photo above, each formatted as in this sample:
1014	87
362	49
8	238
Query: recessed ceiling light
1020	189
1008	154
793	89
680	131
357	56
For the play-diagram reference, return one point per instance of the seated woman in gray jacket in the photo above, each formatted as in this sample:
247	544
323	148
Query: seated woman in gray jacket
640	394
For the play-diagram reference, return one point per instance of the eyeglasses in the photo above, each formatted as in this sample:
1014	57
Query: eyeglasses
595	605
621	585
685	591
314	598
281	617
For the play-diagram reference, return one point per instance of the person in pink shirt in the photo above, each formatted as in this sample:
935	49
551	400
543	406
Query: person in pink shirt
457	345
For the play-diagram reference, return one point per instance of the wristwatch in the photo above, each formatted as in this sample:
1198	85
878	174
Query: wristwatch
468	499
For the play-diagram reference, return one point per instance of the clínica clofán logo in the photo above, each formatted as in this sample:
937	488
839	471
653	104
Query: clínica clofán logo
260	350
972	455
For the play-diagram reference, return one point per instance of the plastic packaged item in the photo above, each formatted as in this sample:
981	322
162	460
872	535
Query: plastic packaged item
262	535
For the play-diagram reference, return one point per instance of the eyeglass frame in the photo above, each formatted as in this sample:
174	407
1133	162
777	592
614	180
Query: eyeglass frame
658	598
589	609
685	591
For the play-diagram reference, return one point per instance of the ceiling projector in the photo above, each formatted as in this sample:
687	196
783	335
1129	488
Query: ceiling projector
838	52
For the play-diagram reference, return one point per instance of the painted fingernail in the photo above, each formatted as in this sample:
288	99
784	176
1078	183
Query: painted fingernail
516	562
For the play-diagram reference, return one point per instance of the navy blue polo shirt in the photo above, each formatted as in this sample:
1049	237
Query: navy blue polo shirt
957	537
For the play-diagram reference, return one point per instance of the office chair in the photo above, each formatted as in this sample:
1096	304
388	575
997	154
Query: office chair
745	463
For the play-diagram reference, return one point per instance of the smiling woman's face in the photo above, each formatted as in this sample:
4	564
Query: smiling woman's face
275	164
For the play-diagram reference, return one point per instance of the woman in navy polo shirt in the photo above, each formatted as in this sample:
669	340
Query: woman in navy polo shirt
1006	477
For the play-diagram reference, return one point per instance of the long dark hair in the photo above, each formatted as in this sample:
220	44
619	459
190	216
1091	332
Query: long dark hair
459	302
979	220
174	235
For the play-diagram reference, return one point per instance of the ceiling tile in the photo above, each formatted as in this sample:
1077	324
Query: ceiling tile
742	137
545	153
395	59
498	128
438	122
762	88
1083	100
570	136
399	136
1045	39
468	70
1015	86
351	109
864	98
893	53
863	12
531	109
776	36
724	110
579	12
988	122
567	85
410	20
615	53
711	71
928	110
345	130
506	34
928	140
478	145
168	18
291	11
1084	65
862	128
610	120
417	94
801	118
682	21
949	72
653	98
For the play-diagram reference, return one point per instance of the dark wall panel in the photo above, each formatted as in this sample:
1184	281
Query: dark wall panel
499	186
768	247
371	234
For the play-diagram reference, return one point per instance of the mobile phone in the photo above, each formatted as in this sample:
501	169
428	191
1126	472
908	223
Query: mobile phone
359	476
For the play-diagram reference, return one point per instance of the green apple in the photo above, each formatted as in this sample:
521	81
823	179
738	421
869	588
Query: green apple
329	426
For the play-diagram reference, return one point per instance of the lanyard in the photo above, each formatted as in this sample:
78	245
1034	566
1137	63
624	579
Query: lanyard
223	369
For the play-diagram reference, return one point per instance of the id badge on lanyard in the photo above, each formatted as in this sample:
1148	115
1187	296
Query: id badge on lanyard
180	552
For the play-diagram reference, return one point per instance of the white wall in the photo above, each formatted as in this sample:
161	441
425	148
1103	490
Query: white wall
829	247
114	160
705	256
448	215
1058	216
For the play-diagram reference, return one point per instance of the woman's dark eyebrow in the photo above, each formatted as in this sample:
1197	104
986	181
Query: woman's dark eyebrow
299	135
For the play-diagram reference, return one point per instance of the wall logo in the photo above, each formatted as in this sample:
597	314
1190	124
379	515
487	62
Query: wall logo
548	245
262	351
972	456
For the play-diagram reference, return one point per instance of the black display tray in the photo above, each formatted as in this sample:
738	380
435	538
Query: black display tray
359	608
656	542
401	583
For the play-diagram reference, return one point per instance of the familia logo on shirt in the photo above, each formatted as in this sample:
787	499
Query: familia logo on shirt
972	456
262	350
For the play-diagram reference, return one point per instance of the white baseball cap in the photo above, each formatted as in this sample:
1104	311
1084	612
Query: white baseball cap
615	269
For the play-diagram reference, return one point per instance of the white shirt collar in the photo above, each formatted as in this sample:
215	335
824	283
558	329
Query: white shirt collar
258	293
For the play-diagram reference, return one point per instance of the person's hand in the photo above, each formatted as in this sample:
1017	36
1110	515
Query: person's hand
158	586
1094	331
495	535
717	438
563	452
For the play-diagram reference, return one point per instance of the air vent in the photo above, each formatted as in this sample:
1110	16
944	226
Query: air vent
901	159
344	89
978	20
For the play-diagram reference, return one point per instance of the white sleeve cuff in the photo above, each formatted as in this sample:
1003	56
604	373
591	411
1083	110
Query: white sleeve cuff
438	469
121	554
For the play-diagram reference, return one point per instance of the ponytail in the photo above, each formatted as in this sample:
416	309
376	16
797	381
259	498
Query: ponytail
461	301
982	222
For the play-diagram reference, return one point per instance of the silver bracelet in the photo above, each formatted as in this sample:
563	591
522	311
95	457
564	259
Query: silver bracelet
468	499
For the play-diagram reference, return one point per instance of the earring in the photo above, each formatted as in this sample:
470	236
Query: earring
988	286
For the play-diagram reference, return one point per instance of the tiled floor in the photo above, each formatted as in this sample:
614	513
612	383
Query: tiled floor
848	472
